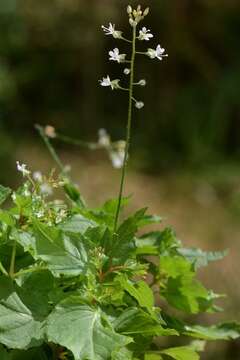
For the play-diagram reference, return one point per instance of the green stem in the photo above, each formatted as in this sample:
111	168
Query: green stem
122	88
57	160
13	257
141	53
27	271
3	270
51	149
129	126
69	140
123	38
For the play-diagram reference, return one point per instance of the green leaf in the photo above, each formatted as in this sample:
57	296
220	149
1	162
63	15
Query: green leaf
7	218
135	321
157	242
181	353
124	354
149	220
152	357
225	331
106	214
77	224
4	193
4	355
83	330
26	240
176	266
20	326
34	290
73	194
64	254
181	289
201	258
123	243
32	354
185	294
140	291
110	206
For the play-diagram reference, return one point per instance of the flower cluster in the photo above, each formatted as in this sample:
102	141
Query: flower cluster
144	34
137	15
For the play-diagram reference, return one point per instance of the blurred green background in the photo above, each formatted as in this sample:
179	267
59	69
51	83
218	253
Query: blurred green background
185	154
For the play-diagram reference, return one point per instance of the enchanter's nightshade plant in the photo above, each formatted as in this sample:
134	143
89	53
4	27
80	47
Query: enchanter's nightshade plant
79	284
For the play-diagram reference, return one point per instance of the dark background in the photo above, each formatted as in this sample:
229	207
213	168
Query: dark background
185	156
52	54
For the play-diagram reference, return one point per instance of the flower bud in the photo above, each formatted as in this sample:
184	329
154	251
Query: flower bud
132	22
142	82
50	131
139	105
126	71
146	11
129	9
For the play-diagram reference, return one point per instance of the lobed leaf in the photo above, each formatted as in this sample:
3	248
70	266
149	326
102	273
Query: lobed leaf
21	325
201	258
64	254
84	330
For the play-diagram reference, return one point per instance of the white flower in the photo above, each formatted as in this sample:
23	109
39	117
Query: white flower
126	71
61	216
23	169
117	154
110	30
40	213
145	34
139	104
37	175
117	158
46	189
142	82
103	138
158	53
108	82
115	56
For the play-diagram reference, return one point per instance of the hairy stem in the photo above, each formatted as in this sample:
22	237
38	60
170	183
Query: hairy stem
129	126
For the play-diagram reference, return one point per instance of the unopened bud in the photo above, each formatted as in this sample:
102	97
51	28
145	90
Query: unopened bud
146	11
126	71
139	105
50	131
129	9
139	8
132	22
142	82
